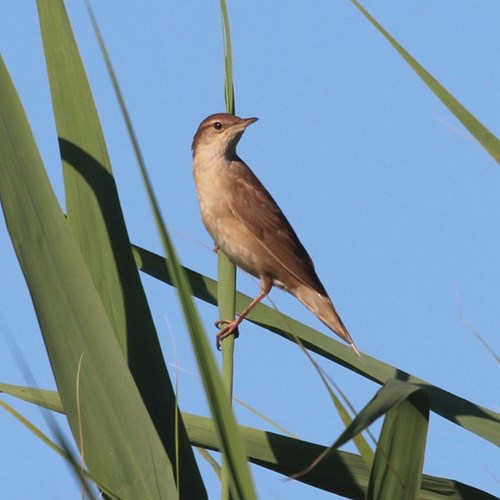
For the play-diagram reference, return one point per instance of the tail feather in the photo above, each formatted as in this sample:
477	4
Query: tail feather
323	308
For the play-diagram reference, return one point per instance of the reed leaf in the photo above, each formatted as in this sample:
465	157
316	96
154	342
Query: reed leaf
489	141
475	418
341	472
226	271
95	217
399	457
241	481
105	410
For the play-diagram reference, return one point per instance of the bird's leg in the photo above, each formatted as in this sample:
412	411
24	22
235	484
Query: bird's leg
232	326
216	248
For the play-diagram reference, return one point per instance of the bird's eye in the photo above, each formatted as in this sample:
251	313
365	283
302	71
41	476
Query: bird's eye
218	126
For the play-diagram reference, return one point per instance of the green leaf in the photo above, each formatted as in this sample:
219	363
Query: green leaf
217	396
390	395
104	408
40	397
341	472
96	220
399	457
228	60
468	120
92	208
359	440
62	449
475	418
218	399
226	270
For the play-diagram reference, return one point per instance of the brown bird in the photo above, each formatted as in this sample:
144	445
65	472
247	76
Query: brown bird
248	226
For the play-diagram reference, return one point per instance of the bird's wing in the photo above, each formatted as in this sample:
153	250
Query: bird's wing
262	215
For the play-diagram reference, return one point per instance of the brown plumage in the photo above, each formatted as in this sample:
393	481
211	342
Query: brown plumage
248	225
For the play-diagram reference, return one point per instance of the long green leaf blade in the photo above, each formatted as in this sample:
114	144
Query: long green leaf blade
96	219
89	185
226	271
399	457
342	473
109	420
230	441
218	398
475	418
389	396
489	141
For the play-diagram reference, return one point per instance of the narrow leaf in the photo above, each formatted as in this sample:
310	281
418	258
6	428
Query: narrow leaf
489	141
399	457
226	270
61	449
341	472
241	481
390	395
475	418
112	421
96	220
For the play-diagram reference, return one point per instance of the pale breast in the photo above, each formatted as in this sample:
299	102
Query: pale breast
241	246
212	197
229	233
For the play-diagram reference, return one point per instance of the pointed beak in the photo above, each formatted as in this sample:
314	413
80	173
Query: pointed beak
241	126
249	121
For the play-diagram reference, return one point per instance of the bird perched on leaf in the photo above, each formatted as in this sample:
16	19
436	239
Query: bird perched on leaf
248	226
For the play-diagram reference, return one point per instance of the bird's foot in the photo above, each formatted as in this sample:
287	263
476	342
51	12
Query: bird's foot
230	328
216	248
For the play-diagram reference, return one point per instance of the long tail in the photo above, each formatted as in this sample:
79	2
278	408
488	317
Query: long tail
324	309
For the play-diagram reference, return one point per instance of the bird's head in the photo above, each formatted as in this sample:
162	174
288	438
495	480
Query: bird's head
219	134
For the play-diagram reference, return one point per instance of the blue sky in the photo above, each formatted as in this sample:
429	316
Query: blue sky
394	200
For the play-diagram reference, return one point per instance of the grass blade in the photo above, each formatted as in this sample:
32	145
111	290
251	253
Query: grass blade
73	321
226	271
232	448
228	60
399	457
489	141
96	219
475	418
389	396
341	472
63	451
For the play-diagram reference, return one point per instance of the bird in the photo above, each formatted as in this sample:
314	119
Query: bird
247	224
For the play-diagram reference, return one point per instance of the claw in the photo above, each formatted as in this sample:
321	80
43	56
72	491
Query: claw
230	328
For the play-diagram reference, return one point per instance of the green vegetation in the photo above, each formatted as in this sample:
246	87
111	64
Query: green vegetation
113	385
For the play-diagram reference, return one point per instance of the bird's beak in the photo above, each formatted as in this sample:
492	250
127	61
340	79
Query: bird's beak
239	127
248	121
